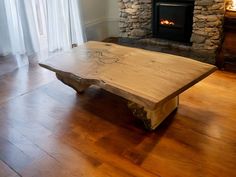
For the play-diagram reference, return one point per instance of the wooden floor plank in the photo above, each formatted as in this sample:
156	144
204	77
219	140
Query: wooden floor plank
13	156
47	167
23	80
5	171
48	130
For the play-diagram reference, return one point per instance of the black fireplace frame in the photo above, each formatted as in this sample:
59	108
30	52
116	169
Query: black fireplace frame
182	35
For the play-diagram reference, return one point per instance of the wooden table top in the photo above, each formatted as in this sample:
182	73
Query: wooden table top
144	77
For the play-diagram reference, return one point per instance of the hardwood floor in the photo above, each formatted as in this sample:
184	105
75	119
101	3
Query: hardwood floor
7	64
46	129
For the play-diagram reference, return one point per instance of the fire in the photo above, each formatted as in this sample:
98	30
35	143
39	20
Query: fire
166	22
233	6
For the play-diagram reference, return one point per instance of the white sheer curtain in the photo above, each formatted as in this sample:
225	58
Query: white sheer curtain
5	46
78	32
59	35
20	28
63	23
31	27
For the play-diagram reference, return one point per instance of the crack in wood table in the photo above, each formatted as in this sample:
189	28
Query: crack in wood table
150	81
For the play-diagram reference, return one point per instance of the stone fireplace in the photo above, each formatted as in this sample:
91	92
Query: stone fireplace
136	22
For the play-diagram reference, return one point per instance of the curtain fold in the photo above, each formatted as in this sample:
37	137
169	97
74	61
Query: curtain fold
21	25
78	30
64	24
5	46
58	23
22	30
29	27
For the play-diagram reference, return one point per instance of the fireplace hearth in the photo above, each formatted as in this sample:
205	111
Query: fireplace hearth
172	20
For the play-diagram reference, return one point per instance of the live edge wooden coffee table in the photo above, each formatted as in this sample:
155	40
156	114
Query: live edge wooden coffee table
150	81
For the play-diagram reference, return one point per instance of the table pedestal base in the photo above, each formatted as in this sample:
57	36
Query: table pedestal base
78	84
150	118
153	118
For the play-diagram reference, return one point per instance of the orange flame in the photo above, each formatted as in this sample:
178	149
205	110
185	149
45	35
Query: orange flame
232	7
234	4
166	22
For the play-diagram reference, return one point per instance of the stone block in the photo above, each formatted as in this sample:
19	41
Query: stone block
198	38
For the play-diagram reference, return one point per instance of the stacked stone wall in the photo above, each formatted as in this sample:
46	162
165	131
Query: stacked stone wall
207	25
135	18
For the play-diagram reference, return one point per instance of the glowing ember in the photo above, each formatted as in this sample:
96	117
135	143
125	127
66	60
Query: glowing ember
166	22
233	6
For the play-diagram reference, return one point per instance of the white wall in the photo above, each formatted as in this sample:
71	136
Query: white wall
100	18
113	18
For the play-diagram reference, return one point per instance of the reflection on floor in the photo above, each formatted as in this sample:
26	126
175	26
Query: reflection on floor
7	64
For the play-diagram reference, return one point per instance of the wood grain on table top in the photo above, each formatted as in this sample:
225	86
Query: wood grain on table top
145	77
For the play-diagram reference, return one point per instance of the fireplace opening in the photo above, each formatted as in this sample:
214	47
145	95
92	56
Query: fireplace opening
173	19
